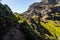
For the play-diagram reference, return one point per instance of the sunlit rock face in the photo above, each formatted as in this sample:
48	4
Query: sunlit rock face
59	1
42	9
50	1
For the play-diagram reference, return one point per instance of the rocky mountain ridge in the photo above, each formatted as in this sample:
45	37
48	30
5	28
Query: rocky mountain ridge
43	10
40	22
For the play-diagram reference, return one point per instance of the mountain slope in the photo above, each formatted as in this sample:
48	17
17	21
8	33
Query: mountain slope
9	27
40	22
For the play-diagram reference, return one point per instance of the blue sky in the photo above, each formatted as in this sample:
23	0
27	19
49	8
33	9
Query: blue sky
19	5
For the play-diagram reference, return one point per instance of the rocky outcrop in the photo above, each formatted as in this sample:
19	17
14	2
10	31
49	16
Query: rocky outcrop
42	10
50	1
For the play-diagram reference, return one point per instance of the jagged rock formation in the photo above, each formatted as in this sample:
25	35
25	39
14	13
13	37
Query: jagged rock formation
51	1
42	10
